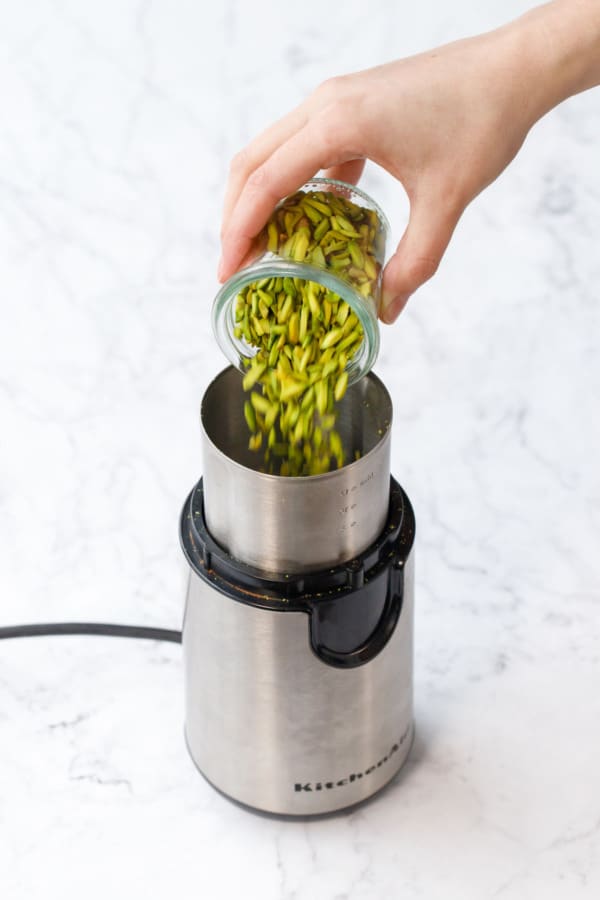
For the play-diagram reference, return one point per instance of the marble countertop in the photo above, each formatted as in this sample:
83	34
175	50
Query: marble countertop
117	123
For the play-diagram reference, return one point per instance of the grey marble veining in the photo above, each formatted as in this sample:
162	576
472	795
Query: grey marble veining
117	121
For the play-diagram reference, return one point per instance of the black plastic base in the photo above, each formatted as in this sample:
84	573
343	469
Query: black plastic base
353	607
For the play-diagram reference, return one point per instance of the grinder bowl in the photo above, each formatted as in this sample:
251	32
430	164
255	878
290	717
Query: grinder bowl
295	524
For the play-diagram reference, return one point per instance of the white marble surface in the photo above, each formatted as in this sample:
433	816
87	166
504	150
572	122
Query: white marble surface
117	120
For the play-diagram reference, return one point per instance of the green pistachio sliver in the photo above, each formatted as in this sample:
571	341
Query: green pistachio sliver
313	214
294	414
294	328
308	399
298	430
320	231
250	415
271	416
305	358
252	376
321	396
340	386
300	247
272	238
273	356
286	310
283	367
338	263
330	244
335	443
289	287
303	324
290	388
354	338
342	313
357	255
369	267
329	368
326	355
331	338
317	257
345	226
265	296
288	248
321	207
260	403
313	303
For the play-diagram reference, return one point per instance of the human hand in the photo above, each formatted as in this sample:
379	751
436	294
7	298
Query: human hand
445	123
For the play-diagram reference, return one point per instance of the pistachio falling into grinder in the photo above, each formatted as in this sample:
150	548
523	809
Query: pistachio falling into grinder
306	334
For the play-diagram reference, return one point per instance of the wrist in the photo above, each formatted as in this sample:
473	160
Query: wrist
556	51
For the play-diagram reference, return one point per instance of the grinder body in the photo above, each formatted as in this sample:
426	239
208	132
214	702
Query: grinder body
299	681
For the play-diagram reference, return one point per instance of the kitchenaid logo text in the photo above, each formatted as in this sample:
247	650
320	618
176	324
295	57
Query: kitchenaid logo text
354	776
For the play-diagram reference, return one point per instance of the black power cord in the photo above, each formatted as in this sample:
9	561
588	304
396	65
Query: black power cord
97	628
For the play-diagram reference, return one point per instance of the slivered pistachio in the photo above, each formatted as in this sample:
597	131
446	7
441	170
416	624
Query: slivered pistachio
370	268
303	327
329	368
321	396
357	255
335	443
313	214
305	334
271	416
301	247
321	230
255	441
286	310
342	313
311	200
290	388
304	359
260	403
273	237
317	257
250	415
331	338
340	386
252	376
294	328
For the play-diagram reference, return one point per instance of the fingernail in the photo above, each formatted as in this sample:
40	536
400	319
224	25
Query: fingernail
392	309
221	270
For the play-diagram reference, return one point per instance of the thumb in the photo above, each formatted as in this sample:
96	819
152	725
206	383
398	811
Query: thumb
419	253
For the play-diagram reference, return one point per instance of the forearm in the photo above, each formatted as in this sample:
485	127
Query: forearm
557	50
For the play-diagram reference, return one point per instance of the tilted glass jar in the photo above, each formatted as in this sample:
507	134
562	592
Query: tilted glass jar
345	269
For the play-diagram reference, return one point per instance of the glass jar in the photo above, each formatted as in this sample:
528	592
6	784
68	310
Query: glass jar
342	266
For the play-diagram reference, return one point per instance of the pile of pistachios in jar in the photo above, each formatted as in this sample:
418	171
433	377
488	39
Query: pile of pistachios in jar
305	333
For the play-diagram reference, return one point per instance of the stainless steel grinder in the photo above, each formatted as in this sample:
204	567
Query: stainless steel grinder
297	634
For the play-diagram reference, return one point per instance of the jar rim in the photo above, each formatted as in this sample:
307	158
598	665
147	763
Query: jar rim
276	267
